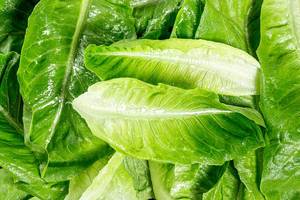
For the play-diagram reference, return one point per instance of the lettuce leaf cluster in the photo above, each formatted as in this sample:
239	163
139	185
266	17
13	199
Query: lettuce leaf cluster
149	99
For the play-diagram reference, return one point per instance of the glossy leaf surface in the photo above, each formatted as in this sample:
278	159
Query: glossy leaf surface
52	74
280	57
167	123
178	62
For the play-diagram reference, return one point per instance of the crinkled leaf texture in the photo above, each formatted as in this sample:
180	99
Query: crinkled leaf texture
178	62
279	54
165	123
52	74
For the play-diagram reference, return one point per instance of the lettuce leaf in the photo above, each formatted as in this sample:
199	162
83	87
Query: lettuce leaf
183	63
52	74
165	123
231	22
8	189
13	17
112	182
187	19
15	157
155	18
279	55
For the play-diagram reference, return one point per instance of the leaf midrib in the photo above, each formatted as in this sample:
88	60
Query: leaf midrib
71	57
106	112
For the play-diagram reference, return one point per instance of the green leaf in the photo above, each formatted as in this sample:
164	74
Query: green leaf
228	21
10	98
183	181
45	191
249	170
187	19
13	17
8	190
162	176
155	18
113	182
254	26
52	74
178	62
191	181
280	57
165	123
15	157
227	187
140	173
81	182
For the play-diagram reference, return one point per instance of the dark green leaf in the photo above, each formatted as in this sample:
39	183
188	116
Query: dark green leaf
227	187
13	18
52	74
155	18
14	155
279	54
187	19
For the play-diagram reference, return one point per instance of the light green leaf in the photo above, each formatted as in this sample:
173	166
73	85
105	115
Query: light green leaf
8	190
81	182
178	62
48	191
140	173
279	53
249	170
162	176
52	74
187	19
113	182
165	123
